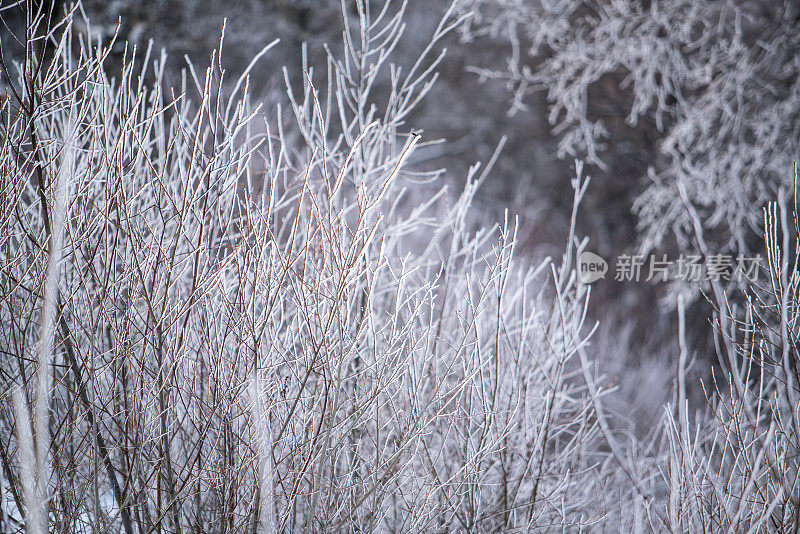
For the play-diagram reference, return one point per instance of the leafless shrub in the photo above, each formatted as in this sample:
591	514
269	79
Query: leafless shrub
736	467
259	325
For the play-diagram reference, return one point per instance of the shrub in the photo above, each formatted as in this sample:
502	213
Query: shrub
242	321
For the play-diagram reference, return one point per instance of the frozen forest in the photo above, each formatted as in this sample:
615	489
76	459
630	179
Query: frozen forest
401	266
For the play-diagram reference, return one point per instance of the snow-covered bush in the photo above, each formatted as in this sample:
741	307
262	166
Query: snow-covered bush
734	466
218	316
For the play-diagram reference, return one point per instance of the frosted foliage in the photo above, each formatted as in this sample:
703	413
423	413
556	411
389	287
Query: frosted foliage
717	81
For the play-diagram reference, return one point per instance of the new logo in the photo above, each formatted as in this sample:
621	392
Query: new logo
591	267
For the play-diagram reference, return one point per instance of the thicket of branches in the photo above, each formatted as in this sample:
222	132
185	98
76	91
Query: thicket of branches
223	316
